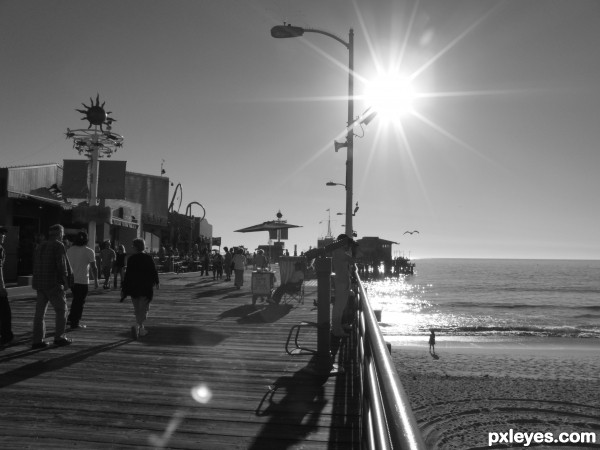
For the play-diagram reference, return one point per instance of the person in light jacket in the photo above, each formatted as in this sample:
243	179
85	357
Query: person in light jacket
239	265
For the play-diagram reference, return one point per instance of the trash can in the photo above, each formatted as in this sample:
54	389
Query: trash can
262	284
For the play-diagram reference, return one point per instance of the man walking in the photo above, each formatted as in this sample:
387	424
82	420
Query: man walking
82	258
6	334
51	271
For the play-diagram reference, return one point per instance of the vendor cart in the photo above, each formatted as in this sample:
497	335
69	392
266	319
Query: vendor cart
262	284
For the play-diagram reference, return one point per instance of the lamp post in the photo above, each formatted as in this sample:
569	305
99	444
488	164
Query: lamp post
95	143
289	31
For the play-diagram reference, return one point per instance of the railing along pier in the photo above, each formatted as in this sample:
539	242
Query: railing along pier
387	420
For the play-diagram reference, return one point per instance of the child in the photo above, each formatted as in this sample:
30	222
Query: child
432	342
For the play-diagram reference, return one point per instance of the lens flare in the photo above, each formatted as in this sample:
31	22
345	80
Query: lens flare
201	393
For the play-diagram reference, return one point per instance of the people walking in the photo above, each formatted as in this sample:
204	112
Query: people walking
119	265
217	265
140	278
205	262
82	259
239	265
107	256
227	262
51	272
6	334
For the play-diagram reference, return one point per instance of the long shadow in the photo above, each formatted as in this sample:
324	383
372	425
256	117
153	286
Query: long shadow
215	292
236	294
239	311
269	314
294	404
39	367
181	335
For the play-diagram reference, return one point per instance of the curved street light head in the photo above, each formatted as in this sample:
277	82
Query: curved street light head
289	31
286	31
331	183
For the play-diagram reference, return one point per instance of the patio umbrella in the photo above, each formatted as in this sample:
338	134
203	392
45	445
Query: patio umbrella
271	226
268	226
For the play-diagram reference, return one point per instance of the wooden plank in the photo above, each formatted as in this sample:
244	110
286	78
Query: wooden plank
109	391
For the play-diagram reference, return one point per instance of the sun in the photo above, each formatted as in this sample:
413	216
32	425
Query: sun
391	95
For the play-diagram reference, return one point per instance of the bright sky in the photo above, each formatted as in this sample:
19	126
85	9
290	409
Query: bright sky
498	158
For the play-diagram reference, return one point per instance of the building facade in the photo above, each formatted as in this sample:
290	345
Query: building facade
131	205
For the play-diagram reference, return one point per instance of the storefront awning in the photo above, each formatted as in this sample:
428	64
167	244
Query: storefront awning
50	201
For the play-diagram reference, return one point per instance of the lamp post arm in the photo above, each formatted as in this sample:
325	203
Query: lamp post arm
331	35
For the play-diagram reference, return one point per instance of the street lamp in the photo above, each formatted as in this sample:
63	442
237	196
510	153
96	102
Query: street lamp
331	183
289	31
95	143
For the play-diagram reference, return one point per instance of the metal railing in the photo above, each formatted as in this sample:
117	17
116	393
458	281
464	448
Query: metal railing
387	420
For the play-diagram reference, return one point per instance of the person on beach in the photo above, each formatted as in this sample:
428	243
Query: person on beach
51	273
140	278
341	261
6	334
432	342
82	259
107	256
239	265
119	265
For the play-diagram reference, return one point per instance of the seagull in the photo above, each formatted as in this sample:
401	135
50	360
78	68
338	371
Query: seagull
411	232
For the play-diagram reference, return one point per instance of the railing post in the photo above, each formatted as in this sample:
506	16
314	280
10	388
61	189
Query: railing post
323	269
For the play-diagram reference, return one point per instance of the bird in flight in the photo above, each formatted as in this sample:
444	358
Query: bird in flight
411	232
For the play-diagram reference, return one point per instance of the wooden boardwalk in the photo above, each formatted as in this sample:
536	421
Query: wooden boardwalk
211	374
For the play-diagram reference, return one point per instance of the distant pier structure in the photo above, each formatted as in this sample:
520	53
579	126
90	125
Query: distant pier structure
374	259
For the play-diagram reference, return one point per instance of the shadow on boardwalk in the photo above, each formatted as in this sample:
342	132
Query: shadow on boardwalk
36	368
294	404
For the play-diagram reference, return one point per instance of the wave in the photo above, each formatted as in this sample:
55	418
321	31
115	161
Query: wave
587	316
519	331
516	305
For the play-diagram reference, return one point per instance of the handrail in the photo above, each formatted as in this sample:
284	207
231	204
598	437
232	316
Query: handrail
388	421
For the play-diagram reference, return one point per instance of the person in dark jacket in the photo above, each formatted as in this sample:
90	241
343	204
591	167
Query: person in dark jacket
140	278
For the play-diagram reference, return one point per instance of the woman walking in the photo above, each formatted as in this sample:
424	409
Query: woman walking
140	278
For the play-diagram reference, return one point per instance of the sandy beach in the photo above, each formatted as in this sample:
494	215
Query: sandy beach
475	386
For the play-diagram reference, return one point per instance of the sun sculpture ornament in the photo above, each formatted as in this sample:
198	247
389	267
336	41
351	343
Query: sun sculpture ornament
95	137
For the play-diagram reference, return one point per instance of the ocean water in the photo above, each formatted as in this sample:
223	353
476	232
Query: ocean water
487	297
